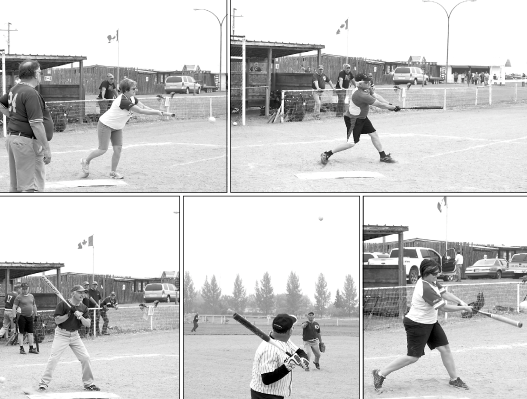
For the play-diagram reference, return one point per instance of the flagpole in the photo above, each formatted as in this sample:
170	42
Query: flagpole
446	227
347	48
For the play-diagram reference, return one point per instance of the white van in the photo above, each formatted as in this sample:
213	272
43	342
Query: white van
412	75
181	84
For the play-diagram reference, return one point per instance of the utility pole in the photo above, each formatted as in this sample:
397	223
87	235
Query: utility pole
234	16
9	36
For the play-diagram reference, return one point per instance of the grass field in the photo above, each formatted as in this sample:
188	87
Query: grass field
463	150
132	366
161	156
489	357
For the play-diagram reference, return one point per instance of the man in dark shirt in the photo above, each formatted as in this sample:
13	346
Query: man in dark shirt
95	302
69	319
107	93
195	322
343	82
8	314
319	84
108	302
312	338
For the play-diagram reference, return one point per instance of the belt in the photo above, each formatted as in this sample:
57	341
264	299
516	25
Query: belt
29	136
66	329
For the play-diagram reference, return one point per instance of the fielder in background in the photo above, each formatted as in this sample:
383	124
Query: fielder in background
86	301
422	327
195	321
357	122
69	320
312	339
108	302
28	313
9	318
271	373
95	302
111	124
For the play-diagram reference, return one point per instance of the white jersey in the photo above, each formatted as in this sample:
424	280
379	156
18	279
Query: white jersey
426	300
119	113
267	359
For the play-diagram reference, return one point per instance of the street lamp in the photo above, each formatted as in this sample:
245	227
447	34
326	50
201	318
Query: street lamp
448	29
221	23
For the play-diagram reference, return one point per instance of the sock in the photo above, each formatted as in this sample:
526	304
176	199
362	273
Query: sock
30	346
382	154
329	153
21	346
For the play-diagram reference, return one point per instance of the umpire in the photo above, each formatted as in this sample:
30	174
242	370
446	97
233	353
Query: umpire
108	302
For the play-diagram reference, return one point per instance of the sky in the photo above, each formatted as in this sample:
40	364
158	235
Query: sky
279	235
480	220
163	35
484	32
133	236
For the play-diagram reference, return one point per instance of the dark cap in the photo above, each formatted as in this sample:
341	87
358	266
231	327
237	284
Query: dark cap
95	283
361	77
24	285
79	288
86	283
283	323
311	314
112	294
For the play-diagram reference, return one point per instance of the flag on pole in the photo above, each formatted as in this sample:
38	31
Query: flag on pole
442	204
116	37
343	26
84	243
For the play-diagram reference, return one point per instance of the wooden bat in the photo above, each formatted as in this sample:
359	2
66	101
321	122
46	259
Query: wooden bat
428	107
55	290
503	319
256	331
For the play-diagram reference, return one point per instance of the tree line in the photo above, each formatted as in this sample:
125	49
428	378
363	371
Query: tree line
210	300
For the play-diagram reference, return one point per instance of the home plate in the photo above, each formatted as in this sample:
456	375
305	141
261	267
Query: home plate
338	175
73	395
86	183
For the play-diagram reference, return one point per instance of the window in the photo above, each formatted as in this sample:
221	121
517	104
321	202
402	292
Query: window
367	257
519	258
154	287
174	79
402	70
408	253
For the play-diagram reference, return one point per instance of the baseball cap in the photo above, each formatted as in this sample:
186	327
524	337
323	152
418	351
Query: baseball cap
361	77
86	283
24	285
109	75
95	283
283	322
16	286
311	314
78	287
112	294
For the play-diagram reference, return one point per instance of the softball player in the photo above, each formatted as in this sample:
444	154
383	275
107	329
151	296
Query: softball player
422	327
271	373
28	311
69	321
8	315
195	321
312	338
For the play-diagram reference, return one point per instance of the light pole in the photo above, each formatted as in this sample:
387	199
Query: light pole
448	29
221	31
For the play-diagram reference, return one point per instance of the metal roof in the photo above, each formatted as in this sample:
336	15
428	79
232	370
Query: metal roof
259	49
22	269
375	231
12	61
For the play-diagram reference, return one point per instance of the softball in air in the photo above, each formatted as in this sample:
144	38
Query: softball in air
320	218
212	119
234	123
2	380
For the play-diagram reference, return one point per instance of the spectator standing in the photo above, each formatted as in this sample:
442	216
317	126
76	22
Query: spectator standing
462	76
343	83
107	93
95	302
9	320
459	265
28	312
456	75
523	79
319	84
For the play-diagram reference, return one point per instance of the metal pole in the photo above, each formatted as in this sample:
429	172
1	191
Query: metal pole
447	43
4	119
220	52
118	58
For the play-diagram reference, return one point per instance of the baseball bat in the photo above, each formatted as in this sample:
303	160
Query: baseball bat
428	107
256	331
503	319
55	290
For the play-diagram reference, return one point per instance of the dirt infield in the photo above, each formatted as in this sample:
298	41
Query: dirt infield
489	357
465	150
142	365
167	156
220	367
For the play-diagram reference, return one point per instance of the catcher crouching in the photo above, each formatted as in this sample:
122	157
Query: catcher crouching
312	339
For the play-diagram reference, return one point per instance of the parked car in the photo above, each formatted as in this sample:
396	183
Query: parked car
160	292
494	268
412	75
518	265
369	255
181	84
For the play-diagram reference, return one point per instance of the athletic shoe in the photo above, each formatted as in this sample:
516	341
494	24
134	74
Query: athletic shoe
42	387
85	167
91	388
115	175
307	368
317	365
377	379
324	158
22	351
458	384
33	350
388	159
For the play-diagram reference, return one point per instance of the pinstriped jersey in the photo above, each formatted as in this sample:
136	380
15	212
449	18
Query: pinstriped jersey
267	359
426	300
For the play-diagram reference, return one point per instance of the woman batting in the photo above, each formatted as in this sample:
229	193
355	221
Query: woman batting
111	125
422	327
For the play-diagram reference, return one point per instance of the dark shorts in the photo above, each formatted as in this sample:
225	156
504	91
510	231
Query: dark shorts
358	126
259	395
418	335
25	324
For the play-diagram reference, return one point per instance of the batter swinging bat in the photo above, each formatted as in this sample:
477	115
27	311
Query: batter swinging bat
56	291
256	331
503	319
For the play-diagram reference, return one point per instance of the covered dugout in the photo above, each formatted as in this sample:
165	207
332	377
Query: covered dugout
261	76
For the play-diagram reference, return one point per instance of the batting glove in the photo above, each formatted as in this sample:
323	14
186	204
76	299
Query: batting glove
292	361
397	108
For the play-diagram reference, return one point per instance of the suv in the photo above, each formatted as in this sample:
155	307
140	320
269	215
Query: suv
518	265
183	84
412	75
161	292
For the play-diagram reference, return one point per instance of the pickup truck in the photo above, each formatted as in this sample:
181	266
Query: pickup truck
412	258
